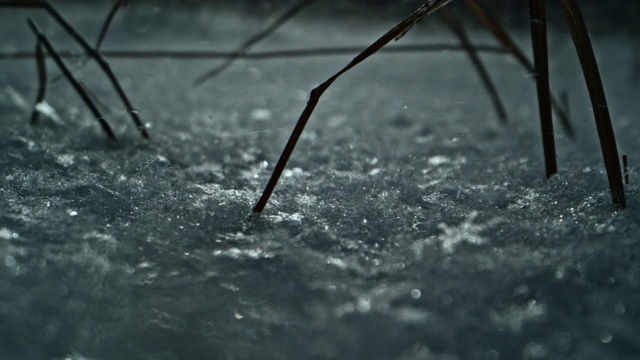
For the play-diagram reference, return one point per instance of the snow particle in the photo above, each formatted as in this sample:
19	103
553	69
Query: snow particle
72	213
492	355
47	110
293	172
619	309
9	261
438	160
416	294
260	114
606	336
7	234
339	263
65	160
363	304
514	317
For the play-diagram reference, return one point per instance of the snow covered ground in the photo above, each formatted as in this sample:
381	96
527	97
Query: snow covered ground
410	223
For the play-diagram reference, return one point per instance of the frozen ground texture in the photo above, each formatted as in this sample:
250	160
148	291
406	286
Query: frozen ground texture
409	225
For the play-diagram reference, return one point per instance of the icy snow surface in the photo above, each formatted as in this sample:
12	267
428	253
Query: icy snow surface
409	224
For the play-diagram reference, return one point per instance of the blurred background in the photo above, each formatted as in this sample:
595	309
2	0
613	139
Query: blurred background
410	222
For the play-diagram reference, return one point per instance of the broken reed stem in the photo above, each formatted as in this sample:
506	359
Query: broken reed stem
456	27
89	50
76	85
105	27
538	20
103	31
42	80
397	31
499	33
260	55
244	48
505	39
581	40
